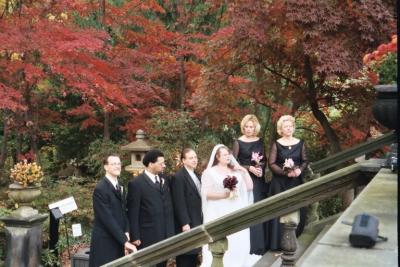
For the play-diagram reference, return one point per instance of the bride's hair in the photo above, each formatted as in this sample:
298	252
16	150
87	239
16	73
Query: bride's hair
217	154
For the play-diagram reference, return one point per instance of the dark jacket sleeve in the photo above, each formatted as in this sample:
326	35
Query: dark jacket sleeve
133	205
126	213
102	208
178	197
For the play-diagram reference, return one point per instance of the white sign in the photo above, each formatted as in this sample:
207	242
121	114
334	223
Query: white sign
76	230
65	205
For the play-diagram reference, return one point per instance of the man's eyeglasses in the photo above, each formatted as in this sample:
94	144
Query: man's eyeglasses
114	164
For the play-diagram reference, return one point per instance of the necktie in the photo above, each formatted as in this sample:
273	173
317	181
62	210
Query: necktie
118	188
158	181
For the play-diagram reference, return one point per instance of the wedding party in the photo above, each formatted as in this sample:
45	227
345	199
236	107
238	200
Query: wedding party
168	133
157	206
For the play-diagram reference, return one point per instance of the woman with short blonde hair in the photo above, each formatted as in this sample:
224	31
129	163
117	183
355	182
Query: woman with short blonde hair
281	120
256	123
287	162
248	149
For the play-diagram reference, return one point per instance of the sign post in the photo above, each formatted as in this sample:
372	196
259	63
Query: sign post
57	211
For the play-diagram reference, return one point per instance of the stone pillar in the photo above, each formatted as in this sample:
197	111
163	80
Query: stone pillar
289	244
23	229
218	249
312	210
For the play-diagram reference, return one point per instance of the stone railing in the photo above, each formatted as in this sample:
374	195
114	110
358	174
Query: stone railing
338	160
353	152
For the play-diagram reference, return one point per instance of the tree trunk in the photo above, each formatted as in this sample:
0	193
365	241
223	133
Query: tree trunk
31	122
33	139
347	196
102	4
106	134
330	133
318	114
182	88
3	154
18	148
34	146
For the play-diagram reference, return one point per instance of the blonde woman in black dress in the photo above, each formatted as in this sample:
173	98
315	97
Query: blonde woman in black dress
287	161
248	149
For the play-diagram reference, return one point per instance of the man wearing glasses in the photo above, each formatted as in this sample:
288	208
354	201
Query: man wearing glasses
110	232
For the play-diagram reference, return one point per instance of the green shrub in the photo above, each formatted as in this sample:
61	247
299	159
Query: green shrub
172	131
329	207
98	150
49	259
64	189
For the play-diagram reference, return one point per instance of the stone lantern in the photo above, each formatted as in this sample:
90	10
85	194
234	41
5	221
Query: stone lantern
138	149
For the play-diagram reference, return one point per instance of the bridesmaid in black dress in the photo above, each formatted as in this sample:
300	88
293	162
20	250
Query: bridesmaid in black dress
287	148
244	148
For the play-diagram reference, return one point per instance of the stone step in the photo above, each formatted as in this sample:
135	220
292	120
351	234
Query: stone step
308	250
379	198
311	233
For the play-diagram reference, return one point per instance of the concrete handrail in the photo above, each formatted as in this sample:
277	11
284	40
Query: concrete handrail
353	152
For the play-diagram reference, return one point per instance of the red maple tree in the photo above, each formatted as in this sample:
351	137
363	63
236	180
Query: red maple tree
294	56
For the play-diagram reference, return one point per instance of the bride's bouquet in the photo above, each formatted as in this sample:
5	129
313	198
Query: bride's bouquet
230	183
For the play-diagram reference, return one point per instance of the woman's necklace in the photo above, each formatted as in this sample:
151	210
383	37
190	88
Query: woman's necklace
289	141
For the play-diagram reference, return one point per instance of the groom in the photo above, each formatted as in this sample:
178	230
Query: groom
149	202
187	202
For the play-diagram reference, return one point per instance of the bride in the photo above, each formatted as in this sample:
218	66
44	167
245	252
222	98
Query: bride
216	202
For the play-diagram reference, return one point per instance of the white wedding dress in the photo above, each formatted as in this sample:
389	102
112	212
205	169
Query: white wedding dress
238	253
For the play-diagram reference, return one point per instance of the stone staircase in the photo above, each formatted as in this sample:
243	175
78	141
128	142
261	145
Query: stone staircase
310	236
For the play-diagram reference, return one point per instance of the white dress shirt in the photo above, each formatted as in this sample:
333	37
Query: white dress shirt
153	176
114	182
195	180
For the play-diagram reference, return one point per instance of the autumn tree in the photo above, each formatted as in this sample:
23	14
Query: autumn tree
94	63
296	56
45	56
192	22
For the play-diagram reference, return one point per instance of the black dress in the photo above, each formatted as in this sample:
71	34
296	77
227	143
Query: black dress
243	152
281	182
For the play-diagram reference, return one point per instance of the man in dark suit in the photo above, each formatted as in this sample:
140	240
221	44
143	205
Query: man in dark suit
110	235
187	202
149	202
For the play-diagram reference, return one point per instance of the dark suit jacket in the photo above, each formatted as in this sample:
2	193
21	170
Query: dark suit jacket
150	210
109	225
187	202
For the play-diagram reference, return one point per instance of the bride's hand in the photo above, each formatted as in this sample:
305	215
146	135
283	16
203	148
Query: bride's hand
227	192
239	168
